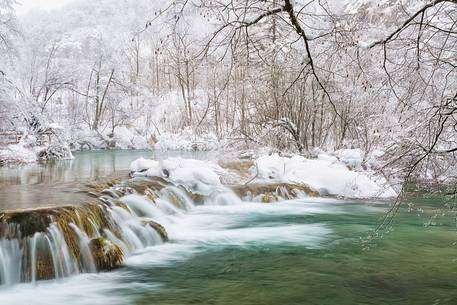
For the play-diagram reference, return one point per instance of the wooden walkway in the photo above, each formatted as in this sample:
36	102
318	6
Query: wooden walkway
14	137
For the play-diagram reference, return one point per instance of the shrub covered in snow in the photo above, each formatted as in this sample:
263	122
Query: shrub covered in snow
55	152
23	153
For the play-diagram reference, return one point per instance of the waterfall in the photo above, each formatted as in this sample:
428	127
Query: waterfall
54	243
178	197
64	265
87	260
10	261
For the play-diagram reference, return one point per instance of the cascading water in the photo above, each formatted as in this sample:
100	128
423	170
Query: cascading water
88	264
59	242
64	265
10	261
55	243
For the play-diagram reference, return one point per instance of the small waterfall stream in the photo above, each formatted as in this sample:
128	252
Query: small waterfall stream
10	261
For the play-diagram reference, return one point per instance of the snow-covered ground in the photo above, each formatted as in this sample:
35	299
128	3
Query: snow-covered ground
326	174
17	153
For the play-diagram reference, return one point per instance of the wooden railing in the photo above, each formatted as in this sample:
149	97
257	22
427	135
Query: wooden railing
14	137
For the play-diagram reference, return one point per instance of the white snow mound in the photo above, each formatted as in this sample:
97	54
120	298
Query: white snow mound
200	176
325	174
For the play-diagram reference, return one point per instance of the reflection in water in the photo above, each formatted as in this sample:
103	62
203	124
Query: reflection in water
64	182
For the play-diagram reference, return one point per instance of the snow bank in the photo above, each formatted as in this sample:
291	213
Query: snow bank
17	153
326	174
122	138
199	176
24	153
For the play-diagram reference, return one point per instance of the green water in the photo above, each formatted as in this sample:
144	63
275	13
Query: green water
412	264
304	252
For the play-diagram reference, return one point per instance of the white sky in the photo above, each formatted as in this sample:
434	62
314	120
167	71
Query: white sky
25	6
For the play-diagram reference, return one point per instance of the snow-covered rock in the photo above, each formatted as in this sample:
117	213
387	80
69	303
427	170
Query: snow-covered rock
141	165
325	174
199	176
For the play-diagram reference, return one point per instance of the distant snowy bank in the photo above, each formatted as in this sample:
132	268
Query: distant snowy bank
133	138
27	153
123	138
188	141
325	174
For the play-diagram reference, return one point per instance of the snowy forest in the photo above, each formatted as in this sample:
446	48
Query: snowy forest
250	152
379	76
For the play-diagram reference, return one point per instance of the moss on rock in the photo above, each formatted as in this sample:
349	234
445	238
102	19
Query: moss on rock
159	228
142	184
107	255
270	192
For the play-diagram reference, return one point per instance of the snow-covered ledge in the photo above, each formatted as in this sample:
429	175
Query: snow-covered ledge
326	174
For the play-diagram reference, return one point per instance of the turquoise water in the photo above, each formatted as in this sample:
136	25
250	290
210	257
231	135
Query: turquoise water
295	252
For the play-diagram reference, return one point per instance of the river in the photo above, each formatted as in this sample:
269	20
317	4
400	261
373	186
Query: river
295	252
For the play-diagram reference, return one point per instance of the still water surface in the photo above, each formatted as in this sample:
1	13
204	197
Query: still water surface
65	182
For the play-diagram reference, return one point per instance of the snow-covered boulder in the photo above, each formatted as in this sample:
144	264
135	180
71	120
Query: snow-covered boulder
326	174
198	176
141	165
